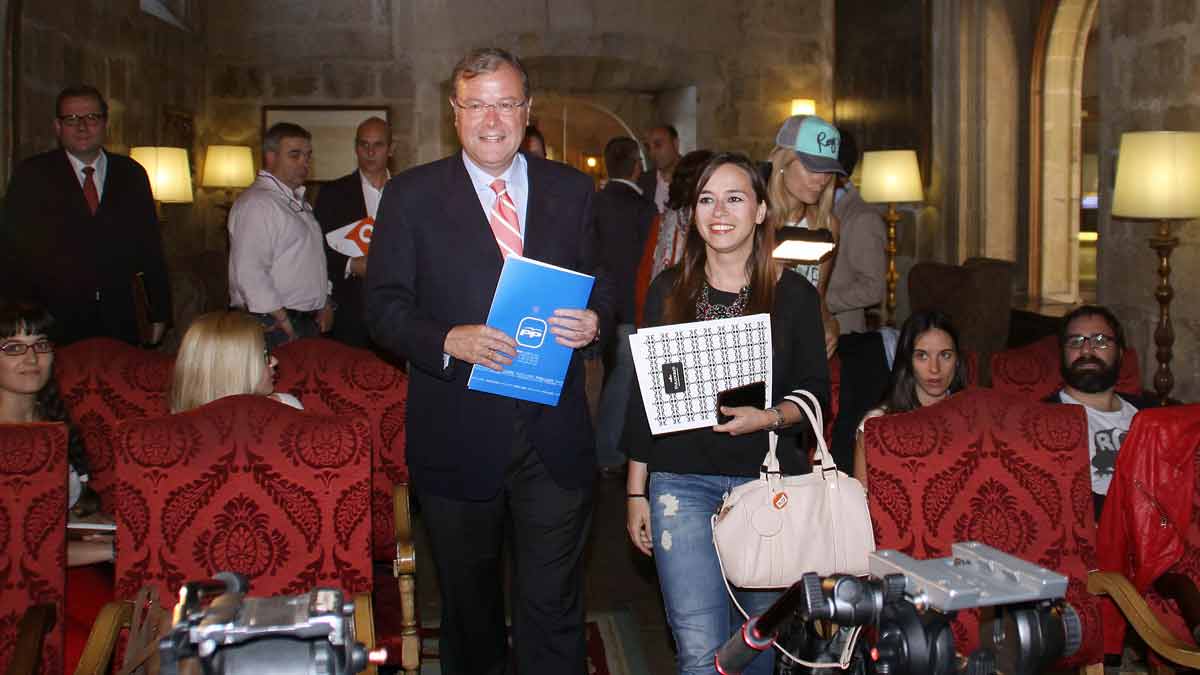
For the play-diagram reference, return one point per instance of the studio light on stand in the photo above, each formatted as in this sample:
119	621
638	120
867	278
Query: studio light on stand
1158	179
891	177
802	245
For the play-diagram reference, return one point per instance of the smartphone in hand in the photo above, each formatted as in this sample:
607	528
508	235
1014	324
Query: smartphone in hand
753	394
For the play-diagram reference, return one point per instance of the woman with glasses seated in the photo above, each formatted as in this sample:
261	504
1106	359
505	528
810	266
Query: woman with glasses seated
928	368
28	393
223	354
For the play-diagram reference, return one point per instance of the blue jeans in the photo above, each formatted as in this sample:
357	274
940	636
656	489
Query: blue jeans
615	400
699	610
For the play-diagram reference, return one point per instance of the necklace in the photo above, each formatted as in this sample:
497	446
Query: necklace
706	310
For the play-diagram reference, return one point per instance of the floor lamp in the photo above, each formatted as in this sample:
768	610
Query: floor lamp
891	176
1157	177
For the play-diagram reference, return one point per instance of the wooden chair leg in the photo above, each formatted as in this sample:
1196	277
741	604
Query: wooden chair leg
31	634
405	568
364	625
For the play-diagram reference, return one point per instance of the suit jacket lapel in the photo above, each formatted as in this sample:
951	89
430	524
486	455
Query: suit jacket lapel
466	222
539	213
358	199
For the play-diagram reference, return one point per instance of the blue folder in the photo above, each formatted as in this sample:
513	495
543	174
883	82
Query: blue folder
528	293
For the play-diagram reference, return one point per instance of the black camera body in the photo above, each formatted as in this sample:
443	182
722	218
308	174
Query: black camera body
307	634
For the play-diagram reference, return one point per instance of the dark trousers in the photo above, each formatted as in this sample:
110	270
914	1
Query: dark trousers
549	526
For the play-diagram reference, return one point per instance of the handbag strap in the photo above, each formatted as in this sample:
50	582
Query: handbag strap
810	409
844	658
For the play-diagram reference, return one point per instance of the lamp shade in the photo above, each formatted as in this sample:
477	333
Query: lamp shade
170	176
228	166
891	176
804	106
1158	175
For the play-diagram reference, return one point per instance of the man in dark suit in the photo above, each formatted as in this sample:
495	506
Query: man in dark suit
347	200
478	460
79	226
623	218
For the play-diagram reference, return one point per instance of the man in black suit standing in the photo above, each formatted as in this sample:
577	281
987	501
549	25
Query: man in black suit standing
348	200
478	460
623	217
80	225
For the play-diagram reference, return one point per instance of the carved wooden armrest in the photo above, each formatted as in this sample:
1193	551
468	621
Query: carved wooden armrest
1135	609
102	640
405	568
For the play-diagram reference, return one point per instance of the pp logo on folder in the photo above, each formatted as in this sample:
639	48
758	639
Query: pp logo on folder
531	332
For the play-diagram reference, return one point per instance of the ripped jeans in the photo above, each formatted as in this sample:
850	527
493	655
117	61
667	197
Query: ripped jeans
699	610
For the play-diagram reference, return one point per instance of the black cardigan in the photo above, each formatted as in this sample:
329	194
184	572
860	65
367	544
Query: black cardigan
798	340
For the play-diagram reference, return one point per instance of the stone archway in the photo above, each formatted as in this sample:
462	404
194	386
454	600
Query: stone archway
1056	148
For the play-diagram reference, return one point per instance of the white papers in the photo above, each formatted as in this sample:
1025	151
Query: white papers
354	239
681	368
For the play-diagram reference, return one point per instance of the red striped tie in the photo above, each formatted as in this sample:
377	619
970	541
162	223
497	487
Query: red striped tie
504	221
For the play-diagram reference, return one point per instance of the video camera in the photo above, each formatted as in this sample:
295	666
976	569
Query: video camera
910	604
307	634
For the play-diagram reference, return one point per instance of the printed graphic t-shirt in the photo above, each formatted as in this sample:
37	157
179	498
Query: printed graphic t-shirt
1106	432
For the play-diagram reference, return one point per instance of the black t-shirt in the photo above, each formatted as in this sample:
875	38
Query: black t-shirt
798	342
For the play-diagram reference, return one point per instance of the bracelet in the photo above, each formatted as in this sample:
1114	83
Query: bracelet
635	495
778	418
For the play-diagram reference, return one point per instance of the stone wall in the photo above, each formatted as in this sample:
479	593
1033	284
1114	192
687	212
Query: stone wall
747	61
1150	80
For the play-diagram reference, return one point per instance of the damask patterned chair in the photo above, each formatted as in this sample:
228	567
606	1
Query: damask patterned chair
104	381
331	378
33	521
990	467
1156	472
1033	370
249	485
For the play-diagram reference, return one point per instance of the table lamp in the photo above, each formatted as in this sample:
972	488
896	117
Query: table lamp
228	167
170	175
1158	179
802	245
891	176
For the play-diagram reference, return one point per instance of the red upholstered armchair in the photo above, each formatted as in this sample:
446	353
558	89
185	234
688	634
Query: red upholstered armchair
1033	370
249	485
990	467
104	381
331	378
33	519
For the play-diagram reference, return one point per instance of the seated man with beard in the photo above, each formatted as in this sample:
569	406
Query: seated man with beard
1092	344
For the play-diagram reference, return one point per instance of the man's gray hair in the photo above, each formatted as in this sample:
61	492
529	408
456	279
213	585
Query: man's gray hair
280	131
487	60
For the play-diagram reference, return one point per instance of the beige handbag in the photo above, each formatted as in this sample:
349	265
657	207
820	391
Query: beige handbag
771	531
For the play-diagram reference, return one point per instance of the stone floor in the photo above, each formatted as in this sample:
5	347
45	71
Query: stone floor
618	578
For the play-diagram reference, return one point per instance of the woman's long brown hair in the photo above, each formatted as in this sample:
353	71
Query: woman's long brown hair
761	270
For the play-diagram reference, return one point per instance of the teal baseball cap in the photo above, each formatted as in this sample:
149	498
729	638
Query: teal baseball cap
815	142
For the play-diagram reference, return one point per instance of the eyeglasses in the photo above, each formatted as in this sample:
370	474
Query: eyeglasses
1099	341
15	348
478	109
75	120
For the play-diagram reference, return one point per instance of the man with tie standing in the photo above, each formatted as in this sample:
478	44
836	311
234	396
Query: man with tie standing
79	226
478	460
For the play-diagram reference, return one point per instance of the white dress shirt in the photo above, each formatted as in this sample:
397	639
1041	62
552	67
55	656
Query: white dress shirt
636	188
276	251
371	197
101	171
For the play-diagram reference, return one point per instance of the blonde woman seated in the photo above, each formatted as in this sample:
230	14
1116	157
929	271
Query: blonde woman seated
223	354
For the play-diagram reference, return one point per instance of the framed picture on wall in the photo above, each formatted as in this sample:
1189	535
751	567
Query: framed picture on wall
332	129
